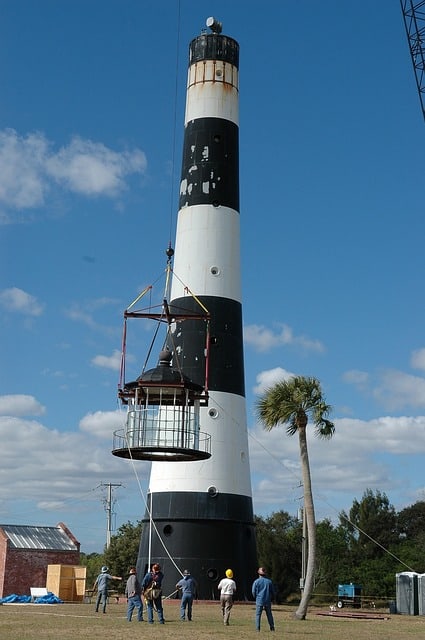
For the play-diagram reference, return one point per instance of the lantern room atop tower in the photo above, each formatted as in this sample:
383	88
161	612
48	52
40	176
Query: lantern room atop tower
163	404
162	417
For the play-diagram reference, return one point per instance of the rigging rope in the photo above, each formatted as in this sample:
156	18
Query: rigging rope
149	512
173	151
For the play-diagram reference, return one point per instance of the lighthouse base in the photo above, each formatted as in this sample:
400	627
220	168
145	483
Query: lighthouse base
203	534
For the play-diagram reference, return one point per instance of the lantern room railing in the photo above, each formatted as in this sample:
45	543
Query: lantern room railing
167	433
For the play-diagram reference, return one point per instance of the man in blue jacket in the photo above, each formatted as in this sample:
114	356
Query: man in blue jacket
187	585
263	591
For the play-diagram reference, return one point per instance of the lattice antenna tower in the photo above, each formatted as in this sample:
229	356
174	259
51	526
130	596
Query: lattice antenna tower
414	21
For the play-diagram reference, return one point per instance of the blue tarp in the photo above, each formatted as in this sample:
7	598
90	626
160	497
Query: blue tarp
50	598
14	598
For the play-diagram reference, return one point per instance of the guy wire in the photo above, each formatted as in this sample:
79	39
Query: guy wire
173	151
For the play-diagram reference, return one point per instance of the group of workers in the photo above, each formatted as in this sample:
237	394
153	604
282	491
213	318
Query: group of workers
150	590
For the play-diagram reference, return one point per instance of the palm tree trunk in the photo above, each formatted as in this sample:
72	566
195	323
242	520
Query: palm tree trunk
301	612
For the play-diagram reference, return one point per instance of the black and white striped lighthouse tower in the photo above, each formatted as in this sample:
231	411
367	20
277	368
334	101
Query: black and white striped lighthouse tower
202	510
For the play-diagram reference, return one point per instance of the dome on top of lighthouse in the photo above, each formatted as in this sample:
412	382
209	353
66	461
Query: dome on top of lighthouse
165	374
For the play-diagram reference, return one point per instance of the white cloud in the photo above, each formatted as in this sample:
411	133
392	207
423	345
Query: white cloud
354	376
84	314
49	476
20	405
392	389
102	424
92	169
397	389
267	379
78	314
48	467
361	455
387	434
52	469
109	362
29	168
18	301
417	359
23	182
263	339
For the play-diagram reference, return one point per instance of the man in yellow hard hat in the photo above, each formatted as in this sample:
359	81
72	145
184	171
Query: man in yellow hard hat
227	587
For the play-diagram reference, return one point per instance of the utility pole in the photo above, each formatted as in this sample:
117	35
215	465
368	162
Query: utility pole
108	509
302	518
303	549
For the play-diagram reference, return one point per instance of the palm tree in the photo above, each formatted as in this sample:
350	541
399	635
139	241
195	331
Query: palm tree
292	402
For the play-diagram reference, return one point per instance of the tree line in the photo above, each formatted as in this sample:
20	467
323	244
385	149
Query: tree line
367	545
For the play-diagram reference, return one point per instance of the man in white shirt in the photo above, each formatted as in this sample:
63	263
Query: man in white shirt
227	587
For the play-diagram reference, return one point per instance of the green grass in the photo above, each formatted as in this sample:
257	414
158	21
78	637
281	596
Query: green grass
79	621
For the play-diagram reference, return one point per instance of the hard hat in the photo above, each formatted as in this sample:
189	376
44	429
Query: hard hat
229	573
104	569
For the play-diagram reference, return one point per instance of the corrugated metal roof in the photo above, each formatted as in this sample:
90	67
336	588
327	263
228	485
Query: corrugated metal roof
29	537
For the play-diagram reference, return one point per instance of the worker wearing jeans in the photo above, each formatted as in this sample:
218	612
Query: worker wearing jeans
133	591
102	585
187	585
263	592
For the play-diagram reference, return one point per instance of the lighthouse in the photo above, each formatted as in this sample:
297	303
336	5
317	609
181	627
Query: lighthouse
199	513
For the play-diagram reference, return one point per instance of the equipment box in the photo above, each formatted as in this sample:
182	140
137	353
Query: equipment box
349	595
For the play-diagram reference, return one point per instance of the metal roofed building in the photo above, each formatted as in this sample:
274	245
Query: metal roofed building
26	551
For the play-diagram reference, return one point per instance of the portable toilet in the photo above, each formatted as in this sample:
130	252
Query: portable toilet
407	593
421	594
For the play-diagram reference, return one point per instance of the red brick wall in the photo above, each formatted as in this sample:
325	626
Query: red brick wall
3	554
25	568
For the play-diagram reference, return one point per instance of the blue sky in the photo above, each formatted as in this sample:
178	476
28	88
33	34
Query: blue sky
332	212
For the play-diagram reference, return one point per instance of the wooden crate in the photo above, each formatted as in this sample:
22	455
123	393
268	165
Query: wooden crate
66	581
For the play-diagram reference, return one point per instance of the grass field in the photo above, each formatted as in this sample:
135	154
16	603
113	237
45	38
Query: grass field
79	621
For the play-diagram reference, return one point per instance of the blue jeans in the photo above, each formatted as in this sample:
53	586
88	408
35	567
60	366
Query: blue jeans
157	604
258	611
102	596
135	602
187	601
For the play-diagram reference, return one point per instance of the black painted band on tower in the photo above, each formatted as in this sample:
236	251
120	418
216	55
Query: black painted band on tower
213	46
